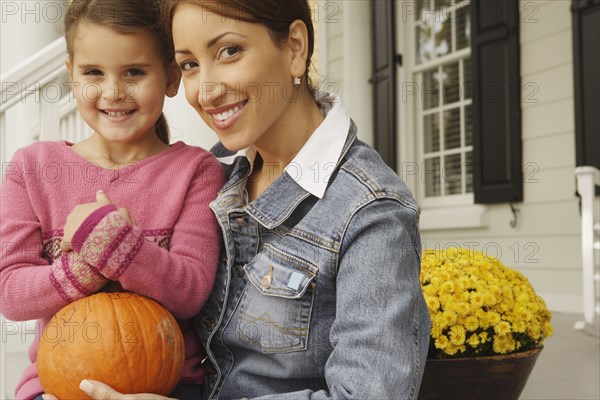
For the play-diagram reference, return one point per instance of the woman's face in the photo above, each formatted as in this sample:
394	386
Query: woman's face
235	76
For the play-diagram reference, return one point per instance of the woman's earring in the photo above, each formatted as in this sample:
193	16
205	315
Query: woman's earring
297	81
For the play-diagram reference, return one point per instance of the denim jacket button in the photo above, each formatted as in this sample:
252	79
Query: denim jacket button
266	281
239	271
208	322
241	222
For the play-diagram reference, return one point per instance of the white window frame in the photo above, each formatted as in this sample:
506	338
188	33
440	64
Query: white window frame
449	212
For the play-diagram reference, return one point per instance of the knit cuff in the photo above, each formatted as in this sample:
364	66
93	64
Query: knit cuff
74	279
88	225
111	245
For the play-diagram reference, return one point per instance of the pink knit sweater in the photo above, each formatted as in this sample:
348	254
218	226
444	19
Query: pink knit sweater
167	195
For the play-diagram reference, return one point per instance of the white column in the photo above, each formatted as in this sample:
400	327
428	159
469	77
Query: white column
358	93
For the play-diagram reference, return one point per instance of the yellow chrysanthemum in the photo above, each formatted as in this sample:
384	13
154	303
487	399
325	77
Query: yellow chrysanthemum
442	342
547	329
473	340
493	317
471	323
475	300
503	344
533	331
433	303
451	349
449	317
457	335
502	328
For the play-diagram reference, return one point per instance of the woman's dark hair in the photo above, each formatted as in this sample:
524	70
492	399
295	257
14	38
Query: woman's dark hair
276	15
125	16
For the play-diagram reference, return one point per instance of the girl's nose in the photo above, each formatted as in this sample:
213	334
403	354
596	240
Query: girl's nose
115	91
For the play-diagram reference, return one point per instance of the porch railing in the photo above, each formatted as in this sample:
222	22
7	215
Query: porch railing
44	78
587	179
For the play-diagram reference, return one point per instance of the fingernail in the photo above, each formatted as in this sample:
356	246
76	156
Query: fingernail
86	386
45	397
100	191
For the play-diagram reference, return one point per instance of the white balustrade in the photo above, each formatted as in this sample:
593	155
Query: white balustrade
588	178
42	78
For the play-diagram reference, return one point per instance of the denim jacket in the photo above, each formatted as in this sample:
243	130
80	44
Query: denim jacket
317	298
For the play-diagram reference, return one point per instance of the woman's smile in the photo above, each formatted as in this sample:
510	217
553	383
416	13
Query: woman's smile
225	117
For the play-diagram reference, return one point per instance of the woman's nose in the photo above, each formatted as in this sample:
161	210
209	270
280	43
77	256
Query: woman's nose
209	88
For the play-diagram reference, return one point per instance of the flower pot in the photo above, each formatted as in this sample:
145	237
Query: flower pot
501	376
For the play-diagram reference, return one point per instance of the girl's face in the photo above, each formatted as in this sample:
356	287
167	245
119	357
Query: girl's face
119	82
234	75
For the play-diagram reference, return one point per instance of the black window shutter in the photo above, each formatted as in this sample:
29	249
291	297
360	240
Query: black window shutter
384	80
586	68
497	158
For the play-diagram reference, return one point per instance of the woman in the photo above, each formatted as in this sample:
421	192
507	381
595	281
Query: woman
317	294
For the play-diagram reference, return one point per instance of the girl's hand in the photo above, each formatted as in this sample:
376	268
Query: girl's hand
101	391
81	212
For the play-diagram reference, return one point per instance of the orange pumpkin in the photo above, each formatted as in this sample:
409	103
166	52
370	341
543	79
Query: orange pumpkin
128	341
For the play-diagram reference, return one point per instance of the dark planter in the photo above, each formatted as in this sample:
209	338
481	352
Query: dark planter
500	376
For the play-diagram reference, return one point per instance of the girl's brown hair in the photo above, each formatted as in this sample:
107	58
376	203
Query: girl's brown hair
276	15
125	16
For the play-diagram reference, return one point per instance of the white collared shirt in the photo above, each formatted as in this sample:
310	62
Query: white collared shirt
317	159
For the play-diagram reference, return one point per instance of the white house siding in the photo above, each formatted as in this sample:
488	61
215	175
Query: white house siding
545	245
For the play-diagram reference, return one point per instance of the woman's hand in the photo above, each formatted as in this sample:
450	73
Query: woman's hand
101	391
81	212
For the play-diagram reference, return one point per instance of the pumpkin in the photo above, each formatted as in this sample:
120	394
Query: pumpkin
123	339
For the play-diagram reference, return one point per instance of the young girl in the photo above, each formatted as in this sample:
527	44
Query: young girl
61	239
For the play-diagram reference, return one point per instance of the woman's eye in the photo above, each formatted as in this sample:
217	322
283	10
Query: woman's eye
229	52
93	72
188	65
134	72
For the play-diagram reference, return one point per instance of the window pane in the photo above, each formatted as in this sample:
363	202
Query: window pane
431	89
442	26
443	6
468	127
450	83
469	171
452	128
467	79
431	128
463	28
432	177
424	43
453	174
421	6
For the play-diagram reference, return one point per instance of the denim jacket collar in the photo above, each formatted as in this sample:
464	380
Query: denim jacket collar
315	160
280	199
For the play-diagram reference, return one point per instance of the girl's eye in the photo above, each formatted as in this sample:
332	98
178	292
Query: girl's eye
134	72
188	65
229	52
93	72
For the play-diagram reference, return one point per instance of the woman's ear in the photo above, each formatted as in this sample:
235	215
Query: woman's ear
298	44
69	66
173	79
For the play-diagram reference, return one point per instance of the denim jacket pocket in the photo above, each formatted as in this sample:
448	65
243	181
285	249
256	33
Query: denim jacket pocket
275	309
